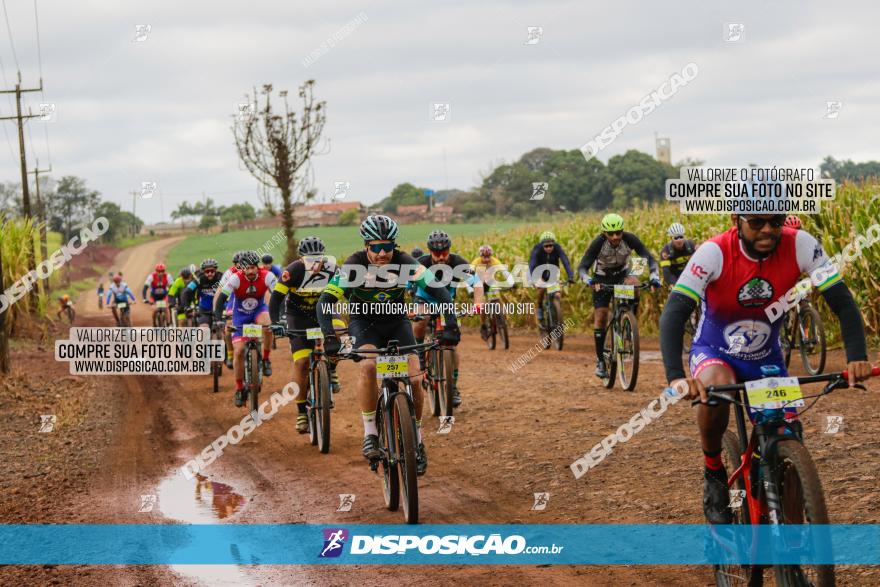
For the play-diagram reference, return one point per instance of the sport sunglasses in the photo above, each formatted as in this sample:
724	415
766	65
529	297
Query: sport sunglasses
758	223
382	247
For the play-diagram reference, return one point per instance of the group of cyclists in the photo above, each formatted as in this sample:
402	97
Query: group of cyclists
732	277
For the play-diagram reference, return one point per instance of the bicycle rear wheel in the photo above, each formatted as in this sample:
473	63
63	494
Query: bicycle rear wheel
390	480
731	575
322	406
628	352
802	502
811	335
405	432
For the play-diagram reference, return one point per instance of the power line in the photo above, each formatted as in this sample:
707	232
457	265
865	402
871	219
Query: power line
6	134
40	67
11	42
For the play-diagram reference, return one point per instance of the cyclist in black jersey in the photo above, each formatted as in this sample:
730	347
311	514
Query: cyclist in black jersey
203	287
301	285
368	280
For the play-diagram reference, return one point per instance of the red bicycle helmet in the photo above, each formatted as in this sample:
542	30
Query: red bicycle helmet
792	221
160	267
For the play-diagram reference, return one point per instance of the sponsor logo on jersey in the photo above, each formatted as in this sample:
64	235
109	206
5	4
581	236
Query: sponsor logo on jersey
746	336
755	293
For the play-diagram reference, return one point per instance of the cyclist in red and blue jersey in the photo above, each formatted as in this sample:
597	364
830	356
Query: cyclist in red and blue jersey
268	264
735	276
249	285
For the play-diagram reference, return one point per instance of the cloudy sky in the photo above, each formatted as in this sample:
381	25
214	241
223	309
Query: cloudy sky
161	109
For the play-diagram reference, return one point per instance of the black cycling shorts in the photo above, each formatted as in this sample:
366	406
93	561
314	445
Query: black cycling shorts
205	318
300	345
379	333
602	299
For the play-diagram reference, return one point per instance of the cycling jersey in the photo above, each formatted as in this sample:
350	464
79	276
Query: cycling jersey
203	287
609	260
488	272
540	257
275	269
445	272
177	286
301	288
158	286
119	293
672	260
735	291
249	295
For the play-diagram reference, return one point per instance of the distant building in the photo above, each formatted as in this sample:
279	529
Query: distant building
420	213
324	214
664	150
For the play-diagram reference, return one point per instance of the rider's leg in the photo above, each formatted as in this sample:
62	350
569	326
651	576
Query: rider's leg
712	422
539	304
238	363
418	394
301	377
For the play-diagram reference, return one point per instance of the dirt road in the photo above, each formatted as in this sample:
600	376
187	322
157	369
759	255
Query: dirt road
516	434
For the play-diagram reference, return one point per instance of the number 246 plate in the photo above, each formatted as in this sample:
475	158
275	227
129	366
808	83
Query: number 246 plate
388	366
773	393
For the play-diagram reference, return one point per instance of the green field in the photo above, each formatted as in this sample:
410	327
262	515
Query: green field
341	241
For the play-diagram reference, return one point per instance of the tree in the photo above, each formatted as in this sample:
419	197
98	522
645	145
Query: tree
638	177
237	213
403	194
349	218
119	221
276	148
71	206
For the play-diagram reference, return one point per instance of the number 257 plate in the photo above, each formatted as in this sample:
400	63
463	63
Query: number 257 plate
388	366
624	292
774	393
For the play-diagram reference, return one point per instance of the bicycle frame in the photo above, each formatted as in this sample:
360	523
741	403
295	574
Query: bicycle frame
618	307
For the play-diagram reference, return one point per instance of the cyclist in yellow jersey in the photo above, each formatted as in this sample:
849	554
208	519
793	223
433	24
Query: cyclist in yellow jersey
488	269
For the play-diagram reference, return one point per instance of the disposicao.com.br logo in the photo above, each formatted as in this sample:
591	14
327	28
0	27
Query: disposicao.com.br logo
452	544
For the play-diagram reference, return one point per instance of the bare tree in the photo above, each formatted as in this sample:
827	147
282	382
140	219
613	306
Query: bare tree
276	148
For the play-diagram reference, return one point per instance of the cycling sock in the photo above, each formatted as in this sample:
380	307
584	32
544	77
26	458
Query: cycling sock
419	430
370	423
420	339
599	335
239	384
301	406
266	354
229	355
713	460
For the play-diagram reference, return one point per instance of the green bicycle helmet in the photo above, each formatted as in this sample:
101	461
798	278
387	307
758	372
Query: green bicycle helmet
612	222
548	236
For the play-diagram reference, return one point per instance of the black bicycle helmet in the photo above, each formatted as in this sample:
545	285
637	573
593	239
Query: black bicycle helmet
267	259
248	259
311	245
417	252
186	272
439	241
236	257
378	227
209	263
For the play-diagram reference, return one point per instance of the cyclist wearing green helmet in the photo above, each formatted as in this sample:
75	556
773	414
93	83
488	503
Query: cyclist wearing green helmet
610	253
547	252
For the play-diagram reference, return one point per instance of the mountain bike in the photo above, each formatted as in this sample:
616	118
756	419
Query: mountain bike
69	312
439	369
495	320
123	313
217	366
802	329
319	400
552	317
621	350
252	334
160	314
772	467
396	422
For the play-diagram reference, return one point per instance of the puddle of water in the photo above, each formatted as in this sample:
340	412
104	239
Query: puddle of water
198	500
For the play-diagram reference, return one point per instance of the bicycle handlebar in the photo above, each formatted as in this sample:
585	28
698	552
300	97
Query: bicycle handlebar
607	286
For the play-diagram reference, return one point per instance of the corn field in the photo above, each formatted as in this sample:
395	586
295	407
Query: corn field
840	221
14	235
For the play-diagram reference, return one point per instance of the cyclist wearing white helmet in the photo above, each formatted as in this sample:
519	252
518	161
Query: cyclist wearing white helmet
547	252
675	254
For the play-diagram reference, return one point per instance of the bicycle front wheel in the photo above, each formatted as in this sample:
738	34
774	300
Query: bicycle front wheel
556	329
735	574
628	351
609	355
444	392
322	406
502	330
492	325
811	335
405	433
390	480
255	369
435	372
802	502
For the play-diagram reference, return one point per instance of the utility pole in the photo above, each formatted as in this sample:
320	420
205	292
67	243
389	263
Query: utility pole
25	196
41	210
134	196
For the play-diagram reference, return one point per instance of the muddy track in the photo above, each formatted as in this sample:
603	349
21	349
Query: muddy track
516	434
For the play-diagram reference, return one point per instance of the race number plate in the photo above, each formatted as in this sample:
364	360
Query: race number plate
551	289
625	292
314	334
252	330
388	366
773	393
122	305
161	304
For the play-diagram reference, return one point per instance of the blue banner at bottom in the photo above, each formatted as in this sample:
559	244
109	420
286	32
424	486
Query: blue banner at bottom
284	544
